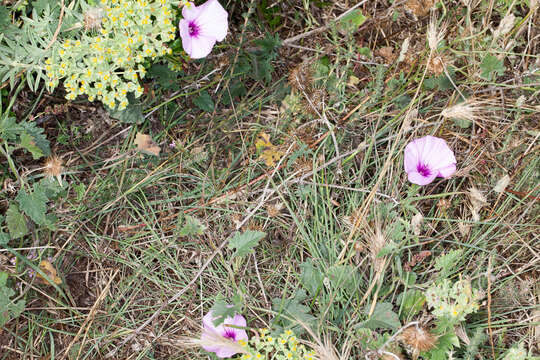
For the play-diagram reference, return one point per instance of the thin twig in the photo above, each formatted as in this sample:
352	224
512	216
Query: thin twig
323	28
60	19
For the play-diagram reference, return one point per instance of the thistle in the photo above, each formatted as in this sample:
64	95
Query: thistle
417	339
54	167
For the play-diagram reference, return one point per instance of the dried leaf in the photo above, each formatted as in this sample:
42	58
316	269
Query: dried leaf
274	209
478	201
271	157
416	223
146	145
263	141
419	8
50	271
269	153
387	53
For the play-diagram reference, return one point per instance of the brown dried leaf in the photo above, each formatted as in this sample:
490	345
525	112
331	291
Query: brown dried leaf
419	8
387	53
50	271
146	145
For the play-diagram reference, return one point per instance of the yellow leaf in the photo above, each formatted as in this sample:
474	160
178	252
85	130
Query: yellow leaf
270	154
50	271
263	141
146	145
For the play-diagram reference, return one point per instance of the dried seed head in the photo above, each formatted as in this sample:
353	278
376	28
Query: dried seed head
436	65
470	110
434	35
417	339
92	19
507	23
54	167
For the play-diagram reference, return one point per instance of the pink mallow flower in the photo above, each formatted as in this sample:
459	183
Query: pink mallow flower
428	157
222	339
201	27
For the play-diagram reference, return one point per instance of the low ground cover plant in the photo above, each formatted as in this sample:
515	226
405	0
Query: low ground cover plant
269	179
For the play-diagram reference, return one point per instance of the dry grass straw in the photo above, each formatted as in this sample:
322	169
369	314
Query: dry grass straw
473	110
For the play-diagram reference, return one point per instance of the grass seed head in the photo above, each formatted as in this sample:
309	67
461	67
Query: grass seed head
435	35
470	110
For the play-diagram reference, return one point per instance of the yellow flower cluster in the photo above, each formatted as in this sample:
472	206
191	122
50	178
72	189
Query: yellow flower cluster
106	64
284	347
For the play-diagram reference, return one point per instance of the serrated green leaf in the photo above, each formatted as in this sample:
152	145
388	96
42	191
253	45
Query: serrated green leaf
16	223
383	317
27	142
222	310
244	243
204	102
491	67
343	277
9	129
38	137
34	204
446	264
4	238
191	226
51	187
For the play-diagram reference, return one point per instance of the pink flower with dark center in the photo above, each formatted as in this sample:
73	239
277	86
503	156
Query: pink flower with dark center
223	339
201	27
428	157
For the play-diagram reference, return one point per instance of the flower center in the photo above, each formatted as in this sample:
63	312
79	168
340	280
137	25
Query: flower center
194	29
423	170
230	334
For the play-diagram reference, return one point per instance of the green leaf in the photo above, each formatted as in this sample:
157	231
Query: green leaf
192	226
204	102
166	78
294	309
491	67
8	309
132	114
343	277
445	343
4	238
245	242
310	277
446	264
9	129
51	187
34	204
16	223
222	309
382	318
38	137
412	302
353	20
27	142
